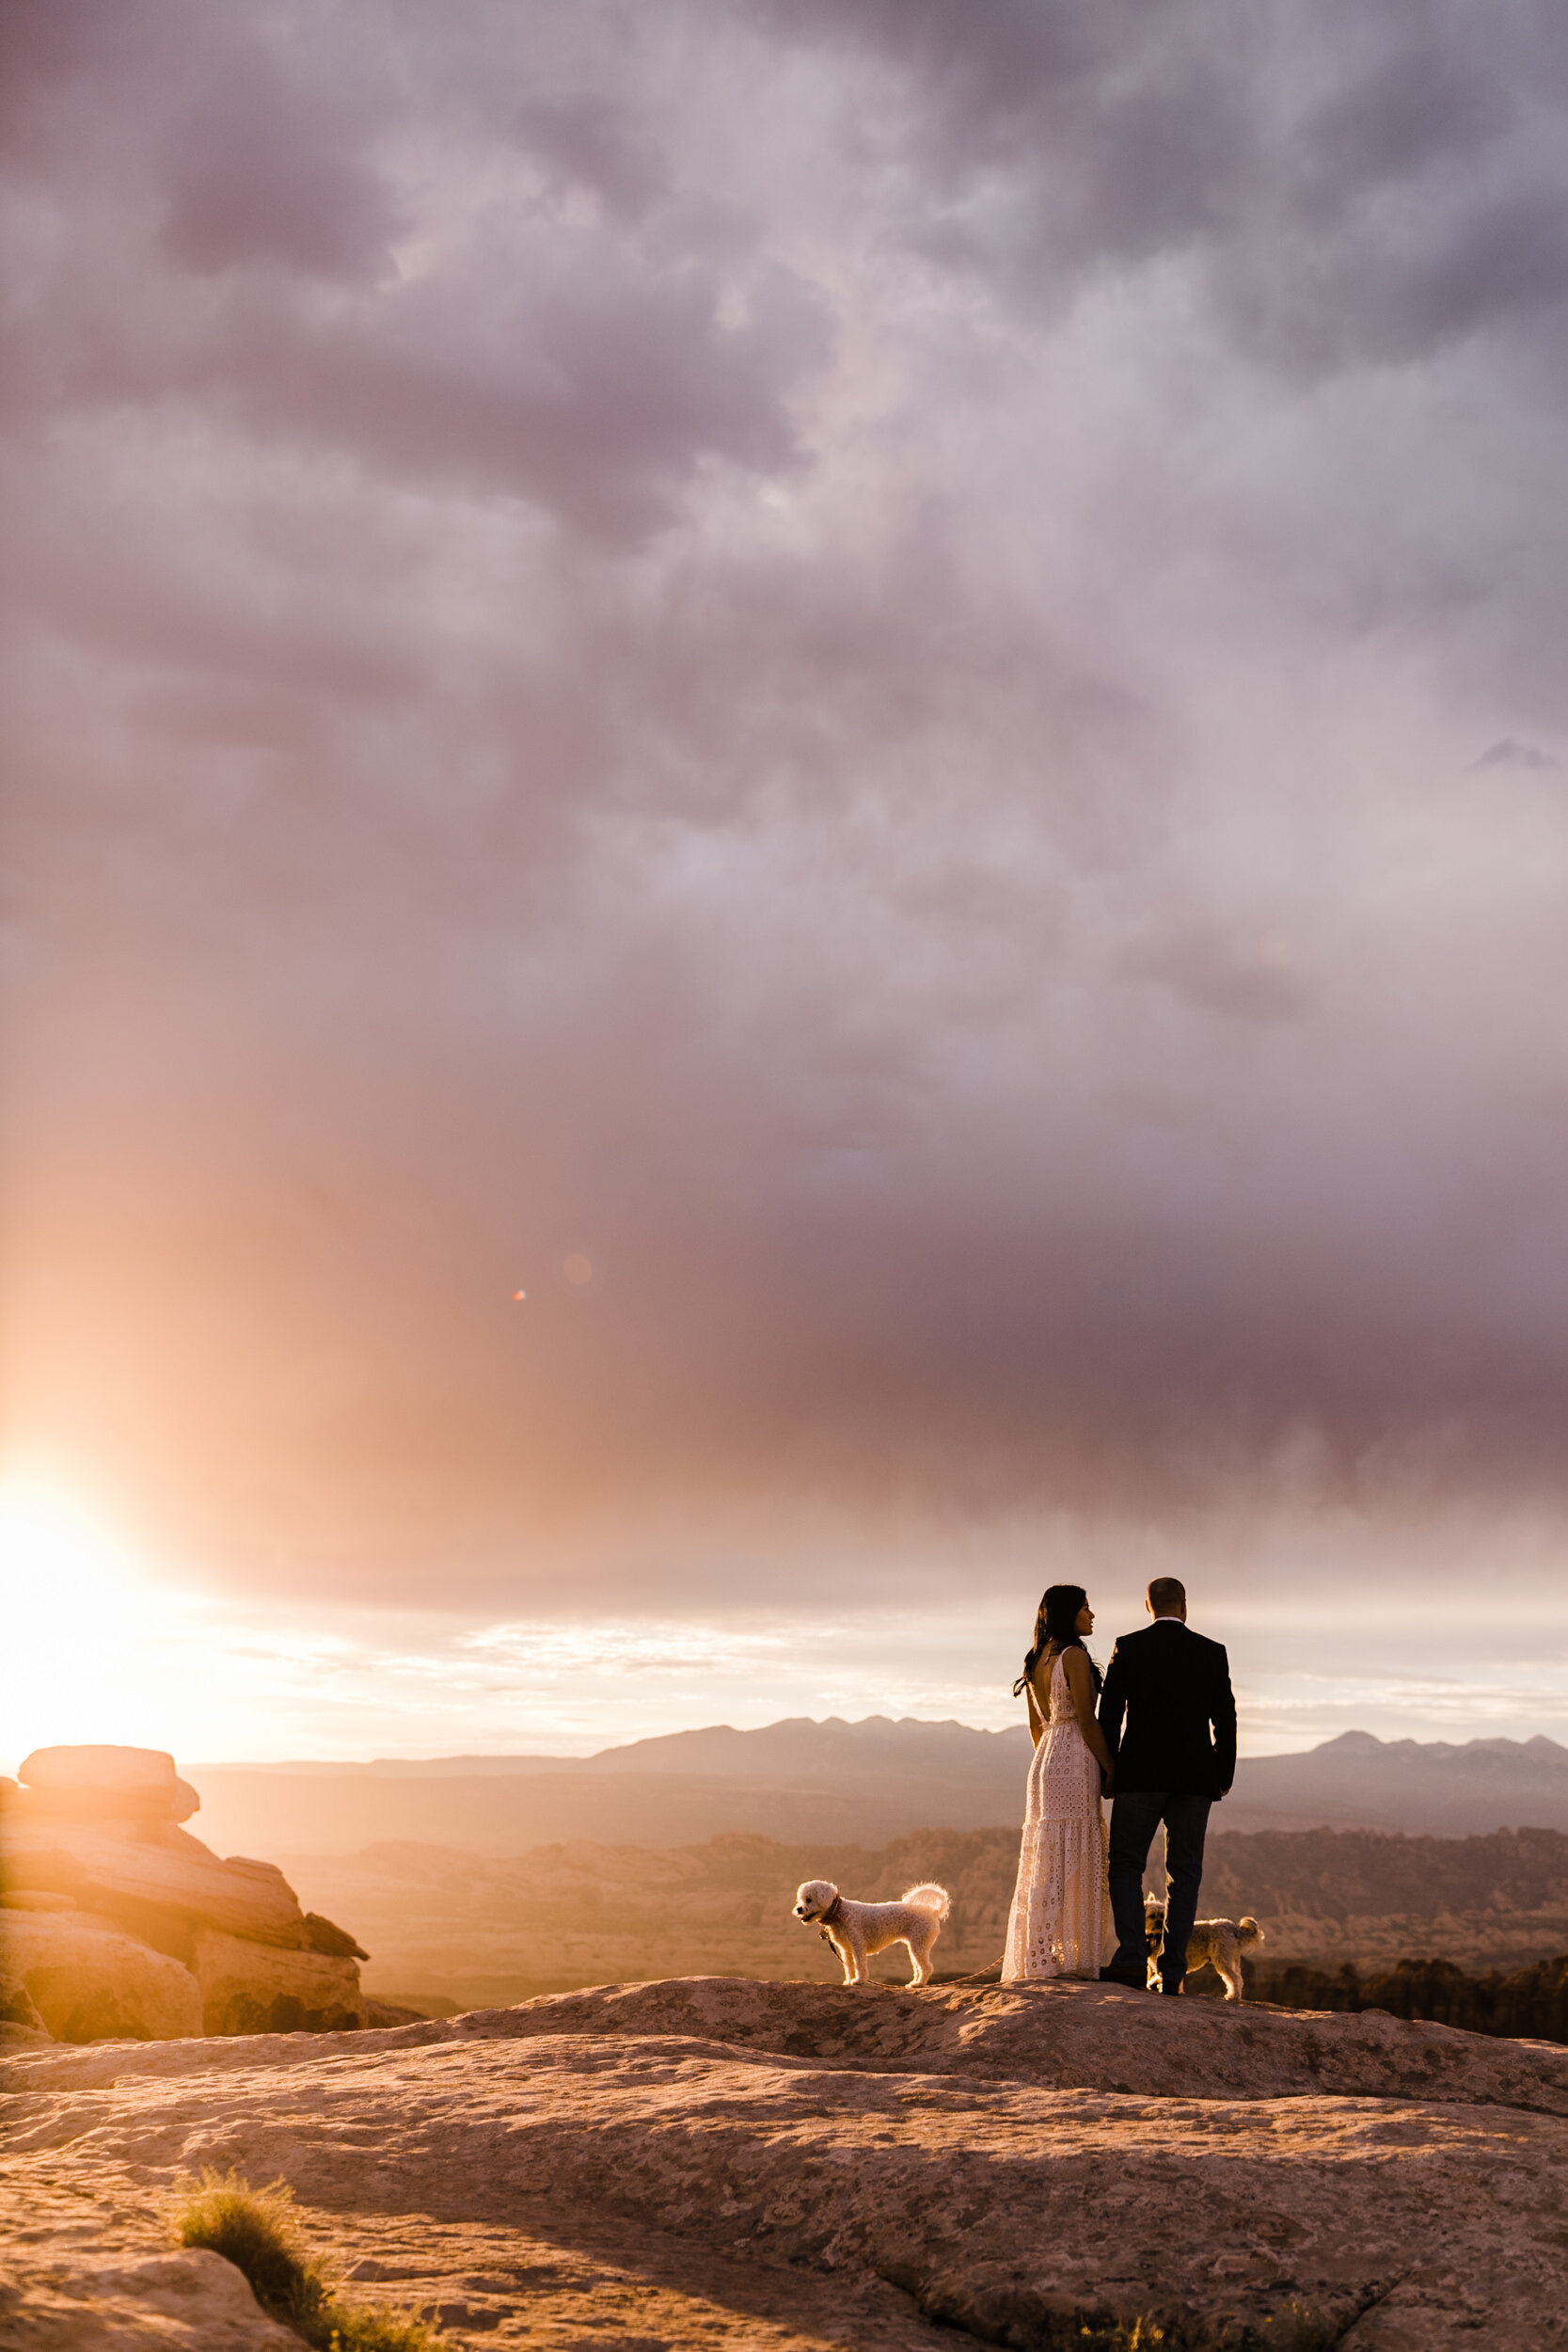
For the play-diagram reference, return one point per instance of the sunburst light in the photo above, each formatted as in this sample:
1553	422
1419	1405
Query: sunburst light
73	1601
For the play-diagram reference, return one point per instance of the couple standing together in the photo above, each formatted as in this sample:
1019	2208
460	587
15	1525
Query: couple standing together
1160	1736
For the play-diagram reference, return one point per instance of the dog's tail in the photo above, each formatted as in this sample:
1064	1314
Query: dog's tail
929	1897
1248	1931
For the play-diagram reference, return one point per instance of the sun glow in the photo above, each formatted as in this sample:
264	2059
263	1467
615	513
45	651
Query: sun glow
74	1603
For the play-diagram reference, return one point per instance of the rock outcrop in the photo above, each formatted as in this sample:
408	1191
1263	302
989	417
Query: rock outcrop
165	2302
106	1784
87	1982
115	1921
254	1988
737	2164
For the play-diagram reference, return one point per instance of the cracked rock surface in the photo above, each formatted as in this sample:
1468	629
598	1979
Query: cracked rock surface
717	2161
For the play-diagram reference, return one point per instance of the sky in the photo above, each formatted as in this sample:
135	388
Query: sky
786	845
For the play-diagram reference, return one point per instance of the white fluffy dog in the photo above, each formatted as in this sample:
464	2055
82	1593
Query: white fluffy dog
1221	1941
856	1930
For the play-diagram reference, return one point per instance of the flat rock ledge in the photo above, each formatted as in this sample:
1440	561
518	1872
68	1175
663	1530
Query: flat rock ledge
719	2162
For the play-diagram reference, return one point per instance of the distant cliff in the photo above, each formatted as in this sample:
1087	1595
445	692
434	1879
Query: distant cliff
1346	1874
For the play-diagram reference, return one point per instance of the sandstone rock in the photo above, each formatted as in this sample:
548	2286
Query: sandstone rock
190	2301
392	2014
734	2165
159	1882
325	1938
93	1783
16	2007
173	1805
153	1934
148	1769
83	1982
255	1988
15	2037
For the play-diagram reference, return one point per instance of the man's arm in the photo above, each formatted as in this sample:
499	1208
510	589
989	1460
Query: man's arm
1113	1703
1222	1714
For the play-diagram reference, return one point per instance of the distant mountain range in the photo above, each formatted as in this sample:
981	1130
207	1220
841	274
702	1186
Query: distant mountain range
864	1783
1436	1787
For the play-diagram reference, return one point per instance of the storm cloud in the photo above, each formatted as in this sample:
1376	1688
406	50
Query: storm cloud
835	661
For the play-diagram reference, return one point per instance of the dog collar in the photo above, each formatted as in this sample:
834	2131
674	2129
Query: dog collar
834	1912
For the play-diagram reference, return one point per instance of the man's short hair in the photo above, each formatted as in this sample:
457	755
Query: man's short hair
1167	1595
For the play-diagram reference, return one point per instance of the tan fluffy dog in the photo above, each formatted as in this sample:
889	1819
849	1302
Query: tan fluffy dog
1220	1941
856	1930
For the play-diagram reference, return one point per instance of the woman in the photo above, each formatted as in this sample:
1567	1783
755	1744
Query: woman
1061	1910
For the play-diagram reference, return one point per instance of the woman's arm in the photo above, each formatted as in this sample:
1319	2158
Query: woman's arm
1081	1683
1113	1703
1036	1721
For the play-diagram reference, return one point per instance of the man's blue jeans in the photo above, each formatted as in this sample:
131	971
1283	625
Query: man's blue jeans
1135	1818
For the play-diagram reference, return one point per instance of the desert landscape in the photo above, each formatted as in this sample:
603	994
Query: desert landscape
99	1846
717	2163
654	2119
447	1927
458	1919
783	909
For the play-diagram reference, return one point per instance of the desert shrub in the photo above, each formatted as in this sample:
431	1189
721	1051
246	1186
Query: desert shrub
257	2230
355	2329
992	2309
1293	2329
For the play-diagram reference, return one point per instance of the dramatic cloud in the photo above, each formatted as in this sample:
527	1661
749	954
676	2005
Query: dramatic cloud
829	658
1508	754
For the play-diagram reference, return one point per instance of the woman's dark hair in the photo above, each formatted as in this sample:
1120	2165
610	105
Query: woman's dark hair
1056	1627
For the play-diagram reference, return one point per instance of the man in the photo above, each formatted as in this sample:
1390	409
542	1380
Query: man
1175	1758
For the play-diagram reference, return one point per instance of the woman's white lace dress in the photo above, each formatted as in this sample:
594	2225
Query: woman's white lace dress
1061	1911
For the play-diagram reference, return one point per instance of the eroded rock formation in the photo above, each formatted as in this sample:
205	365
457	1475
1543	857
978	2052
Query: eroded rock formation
741	2166
115	1921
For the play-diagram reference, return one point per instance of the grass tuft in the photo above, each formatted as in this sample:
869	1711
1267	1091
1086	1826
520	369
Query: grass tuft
257	2230
1293	2329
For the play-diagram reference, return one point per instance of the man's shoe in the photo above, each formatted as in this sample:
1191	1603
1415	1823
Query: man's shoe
1128	1977
1172	1989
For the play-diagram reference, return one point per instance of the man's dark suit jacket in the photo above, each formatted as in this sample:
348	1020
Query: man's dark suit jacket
1174	1689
